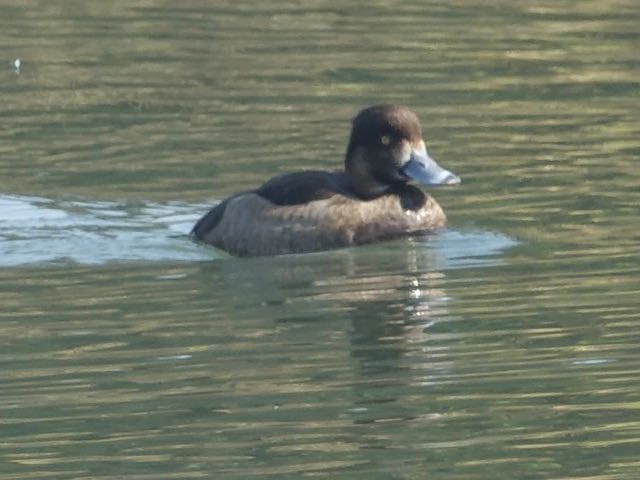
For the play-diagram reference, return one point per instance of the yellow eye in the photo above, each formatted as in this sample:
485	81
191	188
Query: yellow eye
385	140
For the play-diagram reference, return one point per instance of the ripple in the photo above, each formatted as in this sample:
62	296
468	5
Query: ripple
38	230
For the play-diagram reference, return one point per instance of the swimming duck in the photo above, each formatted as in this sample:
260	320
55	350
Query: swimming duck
371	200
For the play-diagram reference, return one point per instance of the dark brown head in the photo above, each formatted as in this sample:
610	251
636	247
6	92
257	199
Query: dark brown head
386	149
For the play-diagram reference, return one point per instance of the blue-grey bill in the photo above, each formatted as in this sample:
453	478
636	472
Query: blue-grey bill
423	169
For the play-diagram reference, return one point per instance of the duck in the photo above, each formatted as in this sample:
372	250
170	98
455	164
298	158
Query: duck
372	199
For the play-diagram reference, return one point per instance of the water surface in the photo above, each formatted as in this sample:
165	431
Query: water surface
506	347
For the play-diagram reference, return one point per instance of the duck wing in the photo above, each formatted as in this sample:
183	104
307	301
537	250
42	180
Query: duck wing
304	187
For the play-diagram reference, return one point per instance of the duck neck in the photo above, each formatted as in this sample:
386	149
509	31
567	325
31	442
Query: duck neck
362	180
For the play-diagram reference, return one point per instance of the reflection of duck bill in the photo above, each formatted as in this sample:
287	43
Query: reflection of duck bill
424	169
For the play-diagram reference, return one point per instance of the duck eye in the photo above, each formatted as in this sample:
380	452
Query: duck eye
385	140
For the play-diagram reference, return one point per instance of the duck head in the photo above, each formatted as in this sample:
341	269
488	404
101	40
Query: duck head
386	149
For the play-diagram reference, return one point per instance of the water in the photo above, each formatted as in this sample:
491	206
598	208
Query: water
506	347
39	231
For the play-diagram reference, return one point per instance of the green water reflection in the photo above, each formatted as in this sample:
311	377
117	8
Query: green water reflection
380	362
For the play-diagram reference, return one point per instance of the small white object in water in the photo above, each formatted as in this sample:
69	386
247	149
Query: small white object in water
16	63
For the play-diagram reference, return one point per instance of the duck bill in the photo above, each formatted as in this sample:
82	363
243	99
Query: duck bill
424	169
